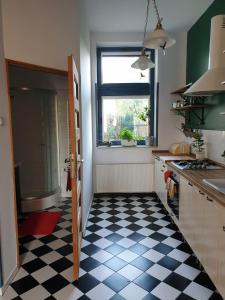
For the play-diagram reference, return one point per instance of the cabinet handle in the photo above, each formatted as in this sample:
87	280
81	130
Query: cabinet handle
164	166
162	171
210	200
223	228
190	184
201	193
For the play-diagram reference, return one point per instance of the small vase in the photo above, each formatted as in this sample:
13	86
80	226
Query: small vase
200	155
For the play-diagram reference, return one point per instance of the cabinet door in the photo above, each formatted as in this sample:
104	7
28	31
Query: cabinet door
185	202
157	172
162	190
221	250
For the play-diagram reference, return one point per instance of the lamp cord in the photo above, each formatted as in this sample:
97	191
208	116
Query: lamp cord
146	21
157	12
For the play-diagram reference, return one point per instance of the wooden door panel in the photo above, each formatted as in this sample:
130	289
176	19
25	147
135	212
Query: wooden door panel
75	161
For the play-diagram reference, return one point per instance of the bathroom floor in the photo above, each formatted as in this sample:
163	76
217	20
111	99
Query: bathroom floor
131	250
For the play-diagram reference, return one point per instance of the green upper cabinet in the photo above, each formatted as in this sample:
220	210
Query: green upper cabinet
197	64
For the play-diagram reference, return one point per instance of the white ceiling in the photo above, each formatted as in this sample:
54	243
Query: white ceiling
129	15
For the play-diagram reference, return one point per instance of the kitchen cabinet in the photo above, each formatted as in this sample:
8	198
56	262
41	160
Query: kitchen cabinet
160	186
202	221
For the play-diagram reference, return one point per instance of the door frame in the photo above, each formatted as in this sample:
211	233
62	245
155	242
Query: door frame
10	62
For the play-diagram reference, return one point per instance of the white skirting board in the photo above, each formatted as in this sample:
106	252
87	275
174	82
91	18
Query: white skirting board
119	178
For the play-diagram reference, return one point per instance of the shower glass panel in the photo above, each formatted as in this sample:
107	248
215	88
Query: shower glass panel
35	141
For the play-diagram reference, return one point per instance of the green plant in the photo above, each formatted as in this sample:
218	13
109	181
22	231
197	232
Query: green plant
126	134
198	142
146	114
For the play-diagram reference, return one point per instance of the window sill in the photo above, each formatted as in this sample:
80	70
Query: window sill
125	147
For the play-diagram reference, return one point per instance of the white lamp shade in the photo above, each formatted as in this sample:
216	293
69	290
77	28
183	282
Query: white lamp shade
143	63
159	38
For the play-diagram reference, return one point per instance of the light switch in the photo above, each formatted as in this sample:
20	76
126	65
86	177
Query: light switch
1	121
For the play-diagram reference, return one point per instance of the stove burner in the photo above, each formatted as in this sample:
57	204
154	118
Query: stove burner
196	165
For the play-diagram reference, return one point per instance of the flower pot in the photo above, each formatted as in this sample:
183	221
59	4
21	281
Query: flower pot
128	143
200	155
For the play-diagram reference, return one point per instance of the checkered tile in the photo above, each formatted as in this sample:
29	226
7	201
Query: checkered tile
132	250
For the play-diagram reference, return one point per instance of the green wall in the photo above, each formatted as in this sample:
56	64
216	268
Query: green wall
197	64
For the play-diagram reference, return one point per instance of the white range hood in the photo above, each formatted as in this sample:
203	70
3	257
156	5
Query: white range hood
213	81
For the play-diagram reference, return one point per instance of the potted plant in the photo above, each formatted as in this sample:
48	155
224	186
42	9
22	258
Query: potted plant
127	137
198	145
145	116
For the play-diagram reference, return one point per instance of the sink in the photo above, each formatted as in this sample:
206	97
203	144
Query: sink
217	183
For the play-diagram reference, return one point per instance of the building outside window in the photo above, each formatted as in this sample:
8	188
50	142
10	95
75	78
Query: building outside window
124	96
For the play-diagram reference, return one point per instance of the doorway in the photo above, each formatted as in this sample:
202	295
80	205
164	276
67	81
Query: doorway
39	112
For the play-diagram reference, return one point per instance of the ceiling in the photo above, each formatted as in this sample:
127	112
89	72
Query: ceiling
129	15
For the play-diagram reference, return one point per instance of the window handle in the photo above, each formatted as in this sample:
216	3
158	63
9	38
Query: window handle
201	193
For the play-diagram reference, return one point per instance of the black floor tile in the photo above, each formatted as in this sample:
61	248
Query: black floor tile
24	284
34	265
55	284
163	248
116	282
137	237
92	238
114	227
147	282
65	250
169	263
41	250
94	228
89	264
114	237
117	297
115	249
142	263
91	249
134	227
61	264
150	297
158	236
86	283
177	281
138	249
204	280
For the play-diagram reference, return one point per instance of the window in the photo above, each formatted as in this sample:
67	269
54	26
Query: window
124	95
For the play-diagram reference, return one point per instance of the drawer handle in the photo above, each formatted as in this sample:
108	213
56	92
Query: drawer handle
210	200
190	184
201	193
164	166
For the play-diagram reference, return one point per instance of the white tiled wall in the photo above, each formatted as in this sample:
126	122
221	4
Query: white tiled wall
215	144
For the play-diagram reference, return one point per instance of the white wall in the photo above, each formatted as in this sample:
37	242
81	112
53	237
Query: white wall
7	209
85	65
171	75
42	32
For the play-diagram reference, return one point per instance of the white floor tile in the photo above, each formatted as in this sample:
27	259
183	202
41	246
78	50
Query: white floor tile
172	242
102	256
123	223
198	292
57	244
33	244
159	272
153	255
103	232
165	292
36	293
104	223
166	231
44	274
130	272
127	255
133	292
179	255
124	232
102	272
103	243
69	292
51	257
101	291
145	231
149	242
187	271
126	243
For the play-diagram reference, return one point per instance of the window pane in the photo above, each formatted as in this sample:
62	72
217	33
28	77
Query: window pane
124	112
117	69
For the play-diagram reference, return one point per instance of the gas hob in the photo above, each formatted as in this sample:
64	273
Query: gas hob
196	165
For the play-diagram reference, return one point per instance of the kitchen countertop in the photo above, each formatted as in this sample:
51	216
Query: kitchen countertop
166	156
196	177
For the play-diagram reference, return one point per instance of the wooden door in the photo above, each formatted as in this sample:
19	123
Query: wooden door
75	160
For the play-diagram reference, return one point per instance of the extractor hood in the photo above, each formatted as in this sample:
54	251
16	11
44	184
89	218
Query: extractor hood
213	81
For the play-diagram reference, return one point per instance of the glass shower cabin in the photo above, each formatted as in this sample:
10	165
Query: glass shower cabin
34	117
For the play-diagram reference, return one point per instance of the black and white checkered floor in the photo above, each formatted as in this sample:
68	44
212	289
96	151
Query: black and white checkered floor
131	251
